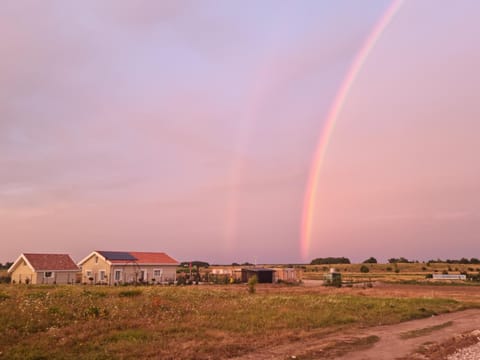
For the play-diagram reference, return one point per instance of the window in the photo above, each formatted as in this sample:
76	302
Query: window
118	275
102	275
157	274
48	274
88	273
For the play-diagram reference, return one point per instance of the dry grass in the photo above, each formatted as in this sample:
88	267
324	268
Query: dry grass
400	272
87	322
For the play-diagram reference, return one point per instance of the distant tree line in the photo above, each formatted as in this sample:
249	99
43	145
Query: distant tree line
242	264
6	265
460	261
401	260
330	260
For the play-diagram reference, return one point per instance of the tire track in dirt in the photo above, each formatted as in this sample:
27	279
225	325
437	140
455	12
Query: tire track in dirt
394	341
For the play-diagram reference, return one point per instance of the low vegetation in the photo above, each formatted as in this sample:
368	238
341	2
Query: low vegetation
340	348
425	331
168	322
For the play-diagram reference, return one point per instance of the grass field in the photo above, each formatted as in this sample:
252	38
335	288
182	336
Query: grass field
400	272
88	322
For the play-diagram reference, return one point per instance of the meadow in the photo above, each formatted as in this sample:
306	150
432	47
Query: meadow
187	322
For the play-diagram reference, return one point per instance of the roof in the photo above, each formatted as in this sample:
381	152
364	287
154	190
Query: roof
153	257
258	269
134	257
50	262
117	255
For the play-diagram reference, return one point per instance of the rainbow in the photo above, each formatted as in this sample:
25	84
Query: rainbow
331	119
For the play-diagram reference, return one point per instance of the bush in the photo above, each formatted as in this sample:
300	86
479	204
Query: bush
370	260
130	293
364	269
252	282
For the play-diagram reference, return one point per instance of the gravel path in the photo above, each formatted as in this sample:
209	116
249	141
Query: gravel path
468	353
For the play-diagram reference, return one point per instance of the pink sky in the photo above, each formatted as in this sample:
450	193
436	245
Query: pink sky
190	128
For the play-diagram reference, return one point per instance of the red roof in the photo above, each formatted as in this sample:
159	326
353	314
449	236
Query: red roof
54	262
153	257
138	257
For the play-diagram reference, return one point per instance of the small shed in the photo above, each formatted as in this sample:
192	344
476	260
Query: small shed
263	275
333	278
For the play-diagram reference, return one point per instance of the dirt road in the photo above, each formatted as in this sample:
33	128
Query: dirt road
397	341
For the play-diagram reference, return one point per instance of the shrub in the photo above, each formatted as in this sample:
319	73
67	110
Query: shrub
252	282
370	260
364	269
130	293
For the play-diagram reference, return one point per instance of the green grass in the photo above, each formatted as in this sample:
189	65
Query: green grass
87	322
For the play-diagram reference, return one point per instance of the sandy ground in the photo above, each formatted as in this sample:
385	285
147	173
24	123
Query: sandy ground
445	333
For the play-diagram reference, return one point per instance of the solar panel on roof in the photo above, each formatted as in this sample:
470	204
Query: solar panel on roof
117	255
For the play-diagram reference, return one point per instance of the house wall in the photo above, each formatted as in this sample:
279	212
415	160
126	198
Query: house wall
128	273
288	274
58	277
23	272
95	264
133	273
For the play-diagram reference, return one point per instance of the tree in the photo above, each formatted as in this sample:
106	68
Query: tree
370	260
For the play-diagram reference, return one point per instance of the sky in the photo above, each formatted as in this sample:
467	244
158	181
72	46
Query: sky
190	127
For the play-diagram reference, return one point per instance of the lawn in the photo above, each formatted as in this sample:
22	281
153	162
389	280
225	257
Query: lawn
88	322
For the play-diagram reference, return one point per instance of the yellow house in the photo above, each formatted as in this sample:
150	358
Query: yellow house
120	267
43	269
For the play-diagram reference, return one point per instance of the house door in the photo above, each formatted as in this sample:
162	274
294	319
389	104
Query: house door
143	275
